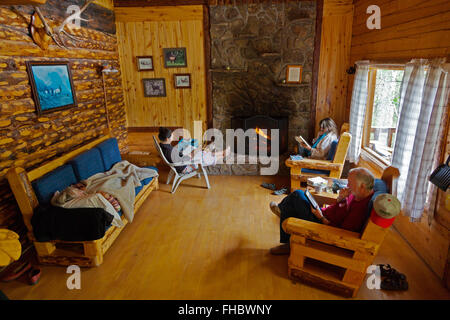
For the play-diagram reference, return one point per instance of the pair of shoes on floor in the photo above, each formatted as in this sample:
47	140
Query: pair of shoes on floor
31	273
280	191
270	186
282	249
275	209
393	280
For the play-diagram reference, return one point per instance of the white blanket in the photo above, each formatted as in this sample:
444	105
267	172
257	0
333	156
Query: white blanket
120	182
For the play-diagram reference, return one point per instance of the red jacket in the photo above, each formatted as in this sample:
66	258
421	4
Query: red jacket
348	214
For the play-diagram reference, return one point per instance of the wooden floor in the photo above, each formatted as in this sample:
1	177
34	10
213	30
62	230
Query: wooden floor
211	244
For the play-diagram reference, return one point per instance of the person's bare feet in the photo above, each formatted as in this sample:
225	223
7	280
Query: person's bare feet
282	249
275	209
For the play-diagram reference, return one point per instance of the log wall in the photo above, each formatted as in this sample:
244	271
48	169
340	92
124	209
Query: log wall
409	29
29	140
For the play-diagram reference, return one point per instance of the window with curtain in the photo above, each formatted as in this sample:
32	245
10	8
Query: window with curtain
396	114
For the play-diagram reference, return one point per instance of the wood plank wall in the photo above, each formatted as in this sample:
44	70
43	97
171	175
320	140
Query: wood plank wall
334	60
28	140
409	29
145	32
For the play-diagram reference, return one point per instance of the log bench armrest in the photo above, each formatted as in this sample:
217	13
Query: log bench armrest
313	164
330	235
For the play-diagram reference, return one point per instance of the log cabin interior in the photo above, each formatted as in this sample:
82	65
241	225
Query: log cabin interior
131	67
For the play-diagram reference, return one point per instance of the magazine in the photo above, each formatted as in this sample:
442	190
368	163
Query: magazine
300	139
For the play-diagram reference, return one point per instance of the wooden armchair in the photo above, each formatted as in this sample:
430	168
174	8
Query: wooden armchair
331	258
331	168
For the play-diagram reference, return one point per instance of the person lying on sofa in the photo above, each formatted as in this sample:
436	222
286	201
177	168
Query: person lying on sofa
206	156
349	211
322	143
75	196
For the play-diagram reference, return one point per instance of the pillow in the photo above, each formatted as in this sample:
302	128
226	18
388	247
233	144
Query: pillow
56	180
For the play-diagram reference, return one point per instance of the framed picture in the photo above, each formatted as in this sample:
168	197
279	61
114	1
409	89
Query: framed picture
145	63
294	74
155	87
182	80
174	57
51	85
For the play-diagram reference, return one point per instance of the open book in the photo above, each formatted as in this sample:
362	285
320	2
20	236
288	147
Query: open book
300	139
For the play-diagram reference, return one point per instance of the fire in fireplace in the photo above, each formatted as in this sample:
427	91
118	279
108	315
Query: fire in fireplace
262	125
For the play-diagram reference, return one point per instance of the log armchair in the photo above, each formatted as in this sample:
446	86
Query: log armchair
335	259
326	168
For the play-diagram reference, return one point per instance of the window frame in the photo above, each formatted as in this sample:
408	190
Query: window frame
371	155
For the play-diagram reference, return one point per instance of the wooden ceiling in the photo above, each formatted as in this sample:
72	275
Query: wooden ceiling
145	3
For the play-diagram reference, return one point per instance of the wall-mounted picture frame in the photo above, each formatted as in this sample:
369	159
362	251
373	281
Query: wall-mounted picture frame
294	73
182	80
51	85
144	63
174	57
154	87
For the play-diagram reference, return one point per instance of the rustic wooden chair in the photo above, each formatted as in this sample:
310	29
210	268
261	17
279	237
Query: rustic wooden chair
331	258
326	168
179	177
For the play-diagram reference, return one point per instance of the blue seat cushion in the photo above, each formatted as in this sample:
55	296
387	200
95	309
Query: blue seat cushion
144	182
330	157
109	150
56	180
379	187
87	164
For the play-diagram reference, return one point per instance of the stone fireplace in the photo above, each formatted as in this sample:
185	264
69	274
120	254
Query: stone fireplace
251	46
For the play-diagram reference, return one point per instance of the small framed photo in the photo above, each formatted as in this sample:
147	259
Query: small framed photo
155	87
174	57
294	74
182	80
145	63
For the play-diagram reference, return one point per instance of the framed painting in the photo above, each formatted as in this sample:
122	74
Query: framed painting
174	57
294	74
51	85
145	63
155	87
182	80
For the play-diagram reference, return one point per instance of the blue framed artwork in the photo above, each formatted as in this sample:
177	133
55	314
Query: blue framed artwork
51	85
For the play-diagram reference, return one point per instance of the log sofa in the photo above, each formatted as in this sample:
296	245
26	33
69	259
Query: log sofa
38	185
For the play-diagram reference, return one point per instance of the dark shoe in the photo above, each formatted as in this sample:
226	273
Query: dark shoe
387	271
270	186
275	209
282	249
394	283
280	192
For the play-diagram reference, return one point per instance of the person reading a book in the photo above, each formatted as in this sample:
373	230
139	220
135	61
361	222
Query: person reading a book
322	143
206	156
349	211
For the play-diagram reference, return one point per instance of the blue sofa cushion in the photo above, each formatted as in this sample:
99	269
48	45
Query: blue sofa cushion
330	156
379	187
56	180
144	182
87	164
109	150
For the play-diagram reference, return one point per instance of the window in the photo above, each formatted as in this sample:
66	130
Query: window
382	113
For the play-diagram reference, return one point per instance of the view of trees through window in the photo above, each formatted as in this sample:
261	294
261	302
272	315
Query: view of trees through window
385	111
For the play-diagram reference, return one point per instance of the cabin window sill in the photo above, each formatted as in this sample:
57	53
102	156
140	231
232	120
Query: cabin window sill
372	158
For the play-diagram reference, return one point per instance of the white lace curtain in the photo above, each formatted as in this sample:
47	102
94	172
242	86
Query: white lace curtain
358	110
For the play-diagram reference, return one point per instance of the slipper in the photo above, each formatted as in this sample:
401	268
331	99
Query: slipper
270	186
16	273
394	283
33	276
280	192
388	271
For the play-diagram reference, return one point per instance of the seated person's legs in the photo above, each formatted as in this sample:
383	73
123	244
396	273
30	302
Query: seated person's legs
294	205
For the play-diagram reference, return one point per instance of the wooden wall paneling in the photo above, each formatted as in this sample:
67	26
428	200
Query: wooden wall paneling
334	60
148	51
